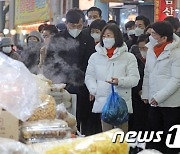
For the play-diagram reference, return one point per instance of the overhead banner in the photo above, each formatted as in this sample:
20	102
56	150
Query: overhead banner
163	9
30	11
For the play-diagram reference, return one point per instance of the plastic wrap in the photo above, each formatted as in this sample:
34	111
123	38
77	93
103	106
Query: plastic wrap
61	95
95	144
8	146
44	129
32	141
18	89
58	87
115	111
43	84
46	110
61	113
41	148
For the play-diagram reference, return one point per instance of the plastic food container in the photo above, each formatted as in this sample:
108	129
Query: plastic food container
38	131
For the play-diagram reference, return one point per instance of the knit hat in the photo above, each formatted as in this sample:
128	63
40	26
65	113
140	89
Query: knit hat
36	34
61	26
6	41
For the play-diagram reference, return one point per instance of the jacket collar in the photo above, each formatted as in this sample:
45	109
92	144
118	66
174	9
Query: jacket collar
174	44
117	52
167	50
164	55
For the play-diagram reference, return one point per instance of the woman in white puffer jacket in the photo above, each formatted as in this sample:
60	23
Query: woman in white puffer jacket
111	64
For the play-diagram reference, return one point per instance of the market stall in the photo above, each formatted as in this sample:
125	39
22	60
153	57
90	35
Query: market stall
39	114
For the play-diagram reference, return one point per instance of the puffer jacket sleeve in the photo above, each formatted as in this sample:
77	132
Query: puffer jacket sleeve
132	78
145	86
90	77
173	85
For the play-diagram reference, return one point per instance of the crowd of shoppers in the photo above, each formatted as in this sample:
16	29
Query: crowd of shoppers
143	63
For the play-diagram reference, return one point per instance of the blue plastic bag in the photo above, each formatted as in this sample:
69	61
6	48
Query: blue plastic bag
115	111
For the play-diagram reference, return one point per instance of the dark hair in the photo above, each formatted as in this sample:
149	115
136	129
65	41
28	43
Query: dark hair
98	24
51	28
117	35
73	16
163	29
61	26
173	21
143	38
80	12
144	19
129	24
149	26
95	9
112	22
41	27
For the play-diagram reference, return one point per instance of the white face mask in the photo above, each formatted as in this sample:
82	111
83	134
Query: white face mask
152	41
108	42
96	37
6	49
143	53
131	32
138	31
90	21
74	32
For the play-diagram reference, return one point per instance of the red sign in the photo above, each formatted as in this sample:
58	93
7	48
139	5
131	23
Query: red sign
164	8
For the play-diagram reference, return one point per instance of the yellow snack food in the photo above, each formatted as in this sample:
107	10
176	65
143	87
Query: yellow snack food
95	144
47	110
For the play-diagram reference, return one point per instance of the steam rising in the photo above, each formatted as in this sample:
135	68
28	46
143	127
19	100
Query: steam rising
61	62
30	57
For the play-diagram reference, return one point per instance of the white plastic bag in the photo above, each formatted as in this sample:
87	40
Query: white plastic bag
63	114
43	84
18	90
8	146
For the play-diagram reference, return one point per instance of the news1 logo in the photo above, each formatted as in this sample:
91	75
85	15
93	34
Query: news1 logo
133	137
176	143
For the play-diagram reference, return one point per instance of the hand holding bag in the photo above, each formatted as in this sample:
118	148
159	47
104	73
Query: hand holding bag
115	111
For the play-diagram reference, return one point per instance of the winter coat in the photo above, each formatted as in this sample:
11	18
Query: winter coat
130	42
162	75
140	109
67	57
141	65
122	65
13	55
30	57
66	62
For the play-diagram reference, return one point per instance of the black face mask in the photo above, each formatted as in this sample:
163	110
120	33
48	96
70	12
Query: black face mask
32	43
